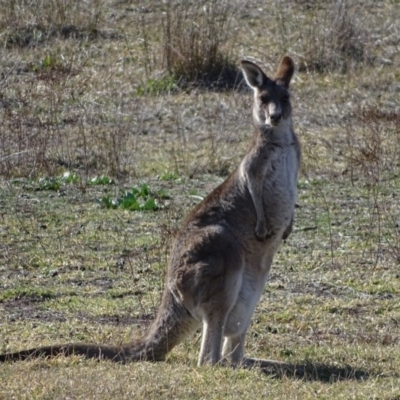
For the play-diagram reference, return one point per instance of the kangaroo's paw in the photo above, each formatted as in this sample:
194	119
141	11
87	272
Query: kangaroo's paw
261	231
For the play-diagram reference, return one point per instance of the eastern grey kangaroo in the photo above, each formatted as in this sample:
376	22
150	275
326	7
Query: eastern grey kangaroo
222	255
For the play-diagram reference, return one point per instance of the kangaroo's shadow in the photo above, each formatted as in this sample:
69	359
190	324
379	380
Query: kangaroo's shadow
306	371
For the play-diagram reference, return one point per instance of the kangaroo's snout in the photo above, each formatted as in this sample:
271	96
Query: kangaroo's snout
275	118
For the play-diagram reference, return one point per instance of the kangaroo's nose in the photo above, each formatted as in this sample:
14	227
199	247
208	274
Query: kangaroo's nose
275	118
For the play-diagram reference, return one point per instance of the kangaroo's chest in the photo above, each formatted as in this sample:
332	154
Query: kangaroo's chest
279	188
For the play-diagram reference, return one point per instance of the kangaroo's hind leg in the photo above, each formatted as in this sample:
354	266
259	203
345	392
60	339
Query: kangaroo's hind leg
215	313
233	349
209	289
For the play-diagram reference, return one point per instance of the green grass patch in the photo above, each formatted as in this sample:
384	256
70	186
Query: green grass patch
156	87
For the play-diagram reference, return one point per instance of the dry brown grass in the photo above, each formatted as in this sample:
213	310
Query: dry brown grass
198	42
337	38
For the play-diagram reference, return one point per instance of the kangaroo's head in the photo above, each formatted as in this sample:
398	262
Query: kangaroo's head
272	106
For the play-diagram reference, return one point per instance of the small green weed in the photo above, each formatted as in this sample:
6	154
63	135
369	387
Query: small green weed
157	87
50	61
169	176
55	183
101	180
138	199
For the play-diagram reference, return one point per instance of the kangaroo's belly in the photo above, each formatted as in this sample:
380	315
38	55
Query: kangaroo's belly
279	198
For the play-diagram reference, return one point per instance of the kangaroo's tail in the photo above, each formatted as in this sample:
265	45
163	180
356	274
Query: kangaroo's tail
88	350
172	324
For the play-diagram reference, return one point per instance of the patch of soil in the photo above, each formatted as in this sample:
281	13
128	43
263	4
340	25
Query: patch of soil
26	309
118	320
319	289
104	283
316	288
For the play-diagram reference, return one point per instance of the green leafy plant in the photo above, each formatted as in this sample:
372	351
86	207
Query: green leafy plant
137	199
169	176
50	61
55	183
101	180
156	86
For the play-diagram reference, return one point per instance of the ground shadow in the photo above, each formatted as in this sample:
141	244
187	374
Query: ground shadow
307	371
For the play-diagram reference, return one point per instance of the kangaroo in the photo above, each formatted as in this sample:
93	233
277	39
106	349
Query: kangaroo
222	255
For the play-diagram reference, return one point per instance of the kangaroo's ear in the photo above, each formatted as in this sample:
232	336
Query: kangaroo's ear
285	71
253	74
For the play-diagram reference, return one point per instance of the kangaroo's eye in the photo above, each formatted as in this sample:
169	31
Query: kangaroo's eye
285	97
264	99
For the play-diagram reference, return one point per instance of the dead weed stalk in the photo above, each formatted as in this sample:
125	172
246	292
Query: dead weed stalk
373	139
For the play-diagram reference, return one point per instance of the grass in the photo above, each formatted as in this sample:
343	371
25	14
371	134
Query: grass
195	42
94	113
